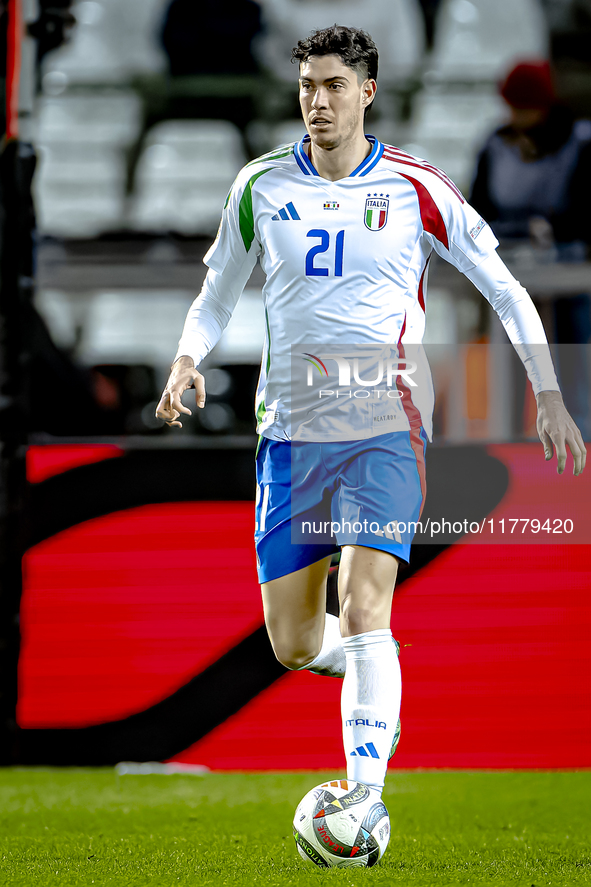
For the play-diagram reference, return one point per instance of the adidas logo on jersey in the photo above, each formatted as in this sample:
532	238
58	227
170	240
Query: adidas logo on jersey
365	751
286	213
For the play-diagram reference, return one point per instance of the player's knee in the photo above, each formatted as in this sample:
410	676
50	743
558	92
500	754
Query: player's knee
357	619
293	657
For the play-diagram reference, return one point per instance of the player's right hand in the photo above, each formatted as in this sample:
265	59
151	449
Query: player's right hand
183	375
557	430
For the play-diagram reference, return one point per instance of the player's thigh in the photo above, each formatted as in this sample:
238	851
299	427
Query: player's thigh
366	584
289	491
381	493
295	607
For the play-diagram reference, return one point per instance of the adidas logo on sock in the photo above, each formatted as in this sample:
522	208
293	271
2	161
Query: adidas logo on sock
366	751
286	213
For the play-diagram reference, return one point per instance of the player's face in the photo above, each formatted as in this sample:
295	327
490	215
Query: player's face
333	99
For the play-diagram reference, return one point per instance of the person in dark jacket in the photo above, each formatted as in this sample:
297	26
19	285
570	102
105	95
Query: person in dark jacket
533	183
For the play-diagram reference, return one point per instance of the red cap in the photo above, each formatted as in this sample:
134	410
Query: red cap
529	85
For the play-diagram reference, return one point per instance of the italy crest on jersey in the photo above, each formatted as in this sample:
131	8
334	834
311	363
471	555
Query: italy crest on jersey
376	212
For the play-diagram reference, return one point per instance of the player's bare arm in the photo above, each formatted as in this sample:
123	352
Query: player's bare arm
557	430
183	375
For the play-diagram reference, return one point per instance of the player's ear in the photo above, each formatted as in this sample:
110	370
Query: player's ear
369	92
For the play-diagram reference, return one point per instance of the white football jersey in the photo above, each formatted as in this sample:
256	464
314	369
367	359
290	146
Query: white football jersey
346	264
346	267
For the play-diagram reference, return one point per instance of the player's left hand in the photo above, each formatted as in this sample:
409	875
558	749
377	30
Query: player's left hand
556	429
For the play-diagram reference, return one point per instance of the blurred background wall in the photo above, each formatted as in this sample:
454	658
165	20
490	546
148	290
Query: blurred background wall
123	136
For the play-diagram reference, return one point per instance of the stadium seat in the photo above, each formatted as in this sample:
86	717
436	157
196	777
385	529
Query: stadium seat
110	41
134	326
108	118
184	175
142	326
449	126
479	40
77	209
470	114
139	35
80	181
402	44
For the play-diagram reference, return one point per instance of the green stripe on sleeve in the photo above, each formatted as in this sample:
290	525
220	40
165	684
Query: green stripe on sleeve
268	340
245	214
262	407
272	155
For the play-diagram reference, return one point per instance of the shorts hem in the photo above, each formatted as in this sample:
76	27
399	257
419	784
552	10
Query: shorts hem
400	551
268	572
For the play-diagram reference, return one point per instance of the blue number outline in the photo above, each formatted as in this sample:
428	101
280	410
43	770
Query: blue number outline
322	247
338	255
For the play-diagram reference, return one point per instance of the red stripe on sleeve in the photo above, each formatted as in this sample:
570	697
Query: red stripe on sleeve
421	290
430	216
397	156
403	330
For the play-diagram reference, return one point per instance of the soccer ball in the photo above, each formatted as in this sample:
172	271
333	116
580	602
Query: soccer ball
341	823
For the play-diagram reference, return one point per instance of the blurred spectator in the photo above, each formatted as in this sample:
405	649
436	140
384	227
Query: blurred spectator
532	183
533	175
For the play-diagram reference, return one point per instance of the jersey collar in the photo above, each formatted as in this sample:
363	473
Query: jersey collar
305	164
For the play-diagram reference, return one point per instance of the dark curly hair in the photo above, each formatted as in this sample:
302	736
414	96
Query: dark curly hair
355	48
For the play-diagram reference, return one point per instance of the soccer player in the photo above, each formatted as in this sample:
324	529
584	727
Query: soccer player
344	227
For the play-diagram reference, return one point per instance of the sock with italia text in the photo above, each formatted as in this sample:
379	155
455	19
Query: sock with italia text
370	705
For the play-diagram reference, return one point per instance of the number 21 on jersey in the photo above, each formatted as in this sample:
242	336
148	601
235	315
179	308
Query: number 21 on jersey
323	247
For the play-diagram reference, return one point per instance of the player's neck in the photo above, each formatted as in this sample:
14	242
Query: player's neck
338	163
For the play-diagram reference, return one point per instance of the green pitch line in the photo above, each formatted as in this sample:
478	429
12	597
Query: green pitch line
83	827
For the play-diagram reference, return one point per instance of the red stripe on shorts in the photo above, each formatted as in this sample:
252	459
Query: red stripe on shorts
415	422
418	446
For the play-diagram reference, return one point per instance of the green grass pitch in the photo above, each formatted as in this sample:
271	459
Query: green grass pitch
90	826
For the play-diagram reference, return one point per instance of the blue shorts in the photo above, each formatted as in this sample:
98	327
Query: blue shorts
312	498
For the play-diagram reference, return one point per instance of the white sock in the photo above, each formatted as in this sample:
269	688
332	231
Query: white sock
370	705
331	659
